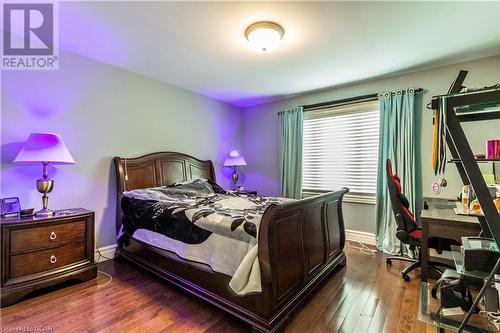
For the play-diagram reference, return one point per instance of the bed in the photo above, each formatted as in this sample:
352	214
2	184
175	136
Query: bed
299	244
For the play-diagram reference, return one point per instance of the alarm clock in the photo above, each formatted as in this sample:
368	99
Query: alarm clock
10	206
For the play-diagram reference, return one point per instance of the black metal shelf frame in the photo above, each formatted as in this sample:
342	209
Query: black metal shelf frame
467	164
471	174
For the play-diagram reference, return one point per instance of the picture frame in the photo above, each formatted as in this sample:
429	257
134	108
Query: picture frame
10	206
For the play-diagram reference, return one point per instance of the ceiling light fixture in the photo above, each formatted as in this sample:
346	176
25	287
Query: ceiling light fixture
264	35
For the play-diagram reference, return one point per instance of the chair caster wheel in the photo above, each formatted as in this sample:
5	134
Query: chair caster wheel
388	262
406	277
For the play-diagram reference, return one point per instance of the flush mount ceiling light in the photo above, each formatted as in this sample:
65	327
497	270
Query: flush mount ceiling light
264	35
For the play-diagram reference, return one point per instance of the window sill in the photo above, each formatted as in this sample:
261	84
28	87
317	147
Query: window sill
360	199
357	198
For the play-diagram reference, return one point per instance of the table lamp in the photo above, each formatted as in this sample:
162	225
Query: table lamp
44	148
234	159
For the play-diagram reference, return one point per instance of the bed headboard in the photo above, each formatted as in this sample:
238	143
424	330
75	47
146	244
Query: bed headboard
157	169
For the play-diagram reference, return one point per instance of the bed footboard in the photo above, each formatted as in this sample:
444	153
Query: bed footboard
299	244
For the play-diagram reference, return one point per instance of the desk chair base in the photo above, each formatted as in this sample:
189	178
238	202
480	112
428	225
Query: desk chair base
431	265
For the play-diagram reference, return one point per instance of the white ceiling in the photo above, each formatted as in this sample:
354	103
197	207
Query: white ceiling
200	46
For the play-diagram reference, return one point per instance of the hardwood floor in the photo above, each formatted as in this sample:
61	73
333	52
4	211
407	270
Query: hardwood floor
365	296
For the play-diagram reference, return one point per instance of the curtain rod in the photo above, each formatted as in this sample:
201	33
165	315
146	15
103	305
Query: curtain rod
347	100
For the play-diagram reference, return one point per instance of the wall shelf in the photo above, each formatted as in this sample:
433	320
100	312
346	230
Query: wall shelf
478	160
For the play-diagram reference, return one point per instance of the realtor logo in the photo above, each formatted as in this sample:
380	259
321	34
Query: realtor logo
29	36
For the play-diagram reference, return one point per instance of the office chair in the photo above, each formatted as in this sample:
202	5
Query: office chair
407	230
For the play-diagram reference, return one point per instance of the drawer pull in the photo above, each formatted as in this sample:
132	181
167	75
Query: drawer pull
53	235
53	259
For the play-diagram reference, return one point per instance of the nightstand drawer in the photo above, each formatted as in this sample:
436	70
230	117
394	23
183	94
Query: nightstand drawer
38	261
37	238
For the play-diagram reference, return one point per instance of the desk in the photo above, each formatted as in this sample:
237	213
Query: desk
440	221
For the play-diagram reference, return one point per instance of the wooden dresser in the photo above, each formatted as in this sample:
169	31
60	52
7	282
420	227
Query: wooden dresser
42	252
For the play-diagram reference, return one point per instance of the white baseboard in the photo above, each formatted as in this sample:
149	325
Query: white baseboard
107	252
360	236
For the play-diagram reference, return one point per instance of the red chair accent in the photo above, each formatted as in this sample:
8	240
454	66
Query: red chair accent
408	231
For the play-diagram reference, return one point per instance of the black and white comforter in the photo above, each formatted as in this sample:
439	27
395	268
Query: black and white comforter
199	217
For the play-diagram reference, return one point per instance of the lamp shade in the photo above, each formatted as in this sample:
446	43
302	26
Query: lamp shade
234	158
44	147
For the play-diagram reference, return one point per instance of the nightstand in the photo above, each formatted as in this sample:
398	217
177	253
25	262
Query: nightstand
42	252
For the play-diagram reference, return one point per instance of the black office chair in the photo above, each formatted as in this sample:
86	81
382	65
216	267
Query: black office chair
407	230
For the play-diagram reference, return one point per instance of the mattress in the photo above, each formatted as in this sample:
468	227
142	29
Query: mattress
212	252
201	222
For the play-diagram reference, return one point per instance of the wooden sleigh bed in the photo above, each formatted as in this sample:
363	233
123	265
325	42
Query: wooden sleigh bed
300	243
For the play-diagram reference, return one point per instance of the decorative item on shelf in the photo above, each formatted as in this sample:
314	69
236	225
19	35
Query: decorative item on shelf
44	148
493	149
497	204
480	156
234	159
27	212
475	206
466	196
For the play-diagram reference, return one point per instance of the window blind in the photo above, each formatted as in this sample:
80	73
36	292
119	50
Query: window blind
340	148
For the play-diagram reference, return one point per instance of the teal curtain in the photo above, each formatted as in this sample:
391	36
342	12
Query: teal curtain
397	141
291	130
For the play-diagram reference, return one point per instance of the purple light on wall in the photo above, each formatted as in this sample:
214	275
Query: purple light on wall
254	100
234	158
225	122
87	32
262	149
234	97
264	184
29	92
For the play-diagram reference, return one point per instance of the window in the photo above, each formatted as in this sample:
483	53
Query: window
341	149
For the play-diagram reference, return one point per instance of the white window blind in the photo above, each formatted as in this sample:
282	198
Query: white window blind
341	148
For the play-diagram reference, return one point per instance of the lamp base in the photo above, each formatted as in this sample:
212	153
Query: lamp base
45	212
235	179
44	186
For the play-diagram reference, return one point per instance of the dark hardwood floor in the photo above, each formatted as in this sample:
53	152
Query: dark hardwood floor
365	296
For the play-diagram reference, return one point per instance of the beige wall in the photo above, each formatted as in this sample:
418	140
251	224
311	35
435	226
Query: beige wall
102	111
260	132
